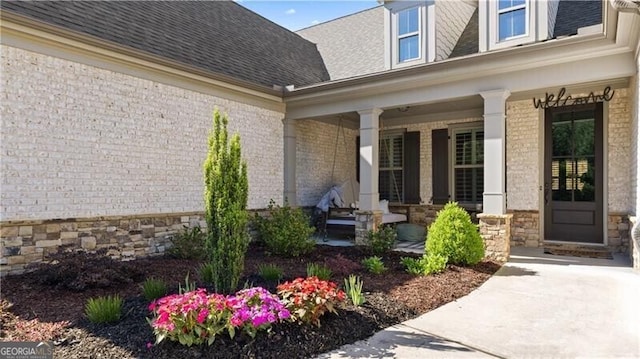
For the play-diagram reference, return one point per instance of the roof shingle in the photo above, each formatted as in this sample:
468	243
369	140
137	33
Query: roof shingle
217	36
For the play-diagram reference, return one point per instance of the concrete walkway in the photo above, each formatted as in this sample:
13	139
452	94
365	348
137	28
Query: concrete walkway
536	306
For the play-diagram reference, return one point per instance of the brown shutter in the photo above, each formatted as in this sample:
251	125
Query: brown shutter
358	159
440	165
411	167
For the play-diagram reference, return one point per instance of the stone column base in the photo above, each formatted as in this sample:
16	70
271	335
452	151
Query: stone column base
366	221
495	230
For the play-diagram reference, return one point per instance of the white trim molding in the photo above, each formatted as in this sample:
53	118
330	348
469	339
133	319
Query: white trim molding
426	32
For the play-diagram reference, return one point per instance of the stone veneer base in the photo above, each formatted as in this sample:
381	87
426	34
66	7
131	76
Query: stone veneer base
495	230
127	237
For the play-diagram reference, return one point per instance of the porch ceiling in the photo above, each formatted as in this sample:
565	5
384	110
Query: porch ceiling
471	106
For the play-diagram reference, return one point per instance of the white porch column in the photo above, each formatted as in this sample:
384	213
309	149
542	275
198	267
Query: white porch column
369	135
289	162
494	198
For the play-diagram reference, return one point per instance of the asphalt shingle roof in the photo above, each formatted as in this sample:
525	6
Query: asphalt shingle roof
576	14
218	36
571	16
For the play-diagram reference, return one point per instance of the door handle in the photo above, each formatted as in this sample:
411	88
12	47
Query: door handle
546	193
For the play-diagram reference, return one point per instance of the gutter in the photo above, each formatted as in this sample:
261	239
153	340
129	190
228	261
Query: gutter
448	67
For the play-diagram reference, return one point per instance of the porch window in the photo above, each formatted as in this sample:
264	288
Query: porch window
391	167
468	165
512	18
399	166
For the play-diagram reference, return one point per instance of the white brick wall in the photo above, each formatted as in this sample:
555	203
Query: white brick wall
79	141
451	19
619	156
523	164
634	94
316	145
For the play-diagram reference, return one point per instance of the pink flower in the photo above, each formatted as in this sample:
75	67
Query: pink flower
149	345
202	315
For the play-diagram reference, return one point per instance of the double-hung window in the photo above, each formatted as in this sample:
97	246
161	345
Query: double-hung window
512	19
391	167
398	166
408	34
468	165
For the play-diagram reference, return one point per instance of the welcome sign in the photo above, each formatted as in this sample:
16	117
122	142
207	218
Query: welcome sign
562	99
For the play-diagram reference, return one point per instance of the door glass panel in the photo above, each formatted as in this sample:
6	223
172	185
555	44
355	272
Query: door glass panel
573	157
585	181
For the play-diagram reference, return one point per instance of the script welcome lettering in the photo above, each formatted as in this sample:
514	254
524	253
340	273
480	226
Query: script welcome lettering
562	99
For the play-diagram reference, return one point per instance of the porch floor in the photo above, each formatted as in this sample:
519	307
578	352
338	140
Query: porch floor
343	241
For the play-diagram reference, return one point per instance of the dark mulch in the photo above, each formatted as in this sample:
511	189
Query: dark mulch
392	297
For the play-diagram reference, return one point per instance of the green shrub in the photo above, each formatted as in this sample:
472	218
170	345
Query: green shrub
382	240
425	265
374	265
225	196
270	272
206	273
453	236
318	270
433	263
413	266
353	289
103	309
286	232
153	288
188	244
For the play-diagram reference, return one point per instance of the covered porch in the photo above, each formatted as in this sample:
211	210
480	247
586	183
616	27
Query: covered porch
459	130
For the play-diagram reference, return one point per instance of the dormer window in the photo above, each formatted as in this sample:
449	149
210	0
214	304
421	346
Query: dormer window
512	19
507	23
409	33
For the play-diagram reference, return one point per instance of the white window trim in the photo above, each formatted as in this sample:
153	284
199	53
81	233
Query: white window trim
536	27
426	33
453	128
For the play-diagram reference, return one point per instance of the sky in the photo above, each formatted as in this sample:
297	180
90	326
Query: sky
296	14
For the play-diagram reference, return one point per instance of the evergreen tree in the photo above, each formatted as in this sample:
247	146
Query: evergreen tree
225	197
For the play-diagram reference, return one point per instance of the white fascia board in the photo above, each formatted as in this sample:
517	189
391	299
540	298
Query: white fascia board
546	75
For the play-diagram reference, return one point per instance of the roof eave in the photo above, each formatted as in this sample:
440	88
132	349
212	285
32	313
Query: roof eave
8	17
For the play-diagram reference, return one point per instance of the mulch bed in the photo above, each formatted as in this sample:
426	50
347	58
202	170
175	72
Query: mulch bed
392	297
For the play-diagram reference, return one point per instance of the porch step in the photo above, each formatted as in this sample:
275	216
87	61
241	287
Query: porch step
577	250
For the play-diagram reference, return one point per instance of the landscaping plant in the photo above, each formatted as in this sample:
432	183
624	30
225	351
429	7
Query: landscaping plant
381	240
188	244
188	286
190	318
309	298
153	289
206	273
225	198
195	317
374	265
270	272
454	237
353	289
318	270
286	231
104	309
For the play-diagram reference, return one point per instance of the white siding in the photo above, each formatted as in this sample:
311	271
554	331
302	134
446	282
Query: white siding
451	19
352	45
